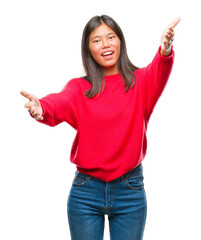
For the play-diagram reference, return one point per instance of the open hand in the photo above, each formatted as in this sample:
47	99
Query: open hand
168	37
34	106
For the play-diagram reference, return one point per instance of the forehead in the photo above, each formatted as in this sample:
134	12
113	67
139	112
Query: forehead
101	31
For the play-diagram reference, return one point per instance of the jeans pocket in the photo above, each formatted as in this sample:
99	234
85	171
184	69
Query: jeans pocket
135	182
81	179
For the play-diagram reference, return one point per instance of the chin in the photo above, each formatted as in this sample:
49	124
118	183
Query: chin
108	65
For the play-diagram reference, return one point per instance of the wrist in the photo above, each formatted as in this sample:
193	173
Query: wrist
166	53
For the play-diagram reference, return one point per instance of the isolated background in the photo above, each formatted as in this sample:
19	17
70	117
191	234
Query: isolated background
40	52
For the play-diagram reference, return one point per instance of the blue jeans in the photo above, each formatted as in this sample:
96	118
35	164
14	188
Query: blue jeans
123	200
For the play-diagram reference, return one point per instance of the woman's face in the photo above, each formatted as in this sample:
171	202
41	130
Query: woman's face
105	48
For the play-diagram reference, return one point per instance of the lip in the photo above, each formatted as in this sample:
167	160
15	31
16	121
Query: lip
107	56
107	52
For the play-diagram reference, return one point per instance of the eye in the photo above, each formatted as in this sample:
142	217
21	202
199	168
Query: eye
96	41
111	37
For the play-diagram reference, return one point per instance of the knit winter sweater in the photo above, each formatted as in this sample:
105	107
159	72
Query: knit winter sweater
111	127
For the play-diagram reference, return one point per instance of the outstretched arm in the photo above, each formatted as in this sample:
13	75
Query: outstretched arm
156	74
55	107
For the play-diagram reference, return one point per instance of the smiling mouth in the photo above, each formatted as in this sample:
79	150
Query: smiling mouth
107	54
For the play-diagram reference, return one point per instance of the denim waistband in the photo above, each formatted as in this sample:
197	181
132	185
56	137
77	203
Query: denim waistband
134	172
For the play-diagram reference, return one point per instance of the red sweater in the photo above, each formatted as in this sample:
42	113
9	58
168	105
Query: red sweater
111	128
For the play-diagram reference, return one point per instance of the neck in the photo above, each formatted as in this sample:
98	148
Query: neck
110	71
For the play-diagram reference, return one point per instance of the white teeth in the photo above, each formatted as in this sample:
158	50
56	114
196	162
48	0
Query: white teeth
107	53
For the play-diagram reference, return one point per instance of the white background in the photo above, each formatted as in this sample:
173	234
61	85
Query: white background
39	52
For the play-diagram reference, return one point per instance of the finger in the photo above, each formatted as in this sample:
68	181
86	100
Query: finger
35	115
165	44
171	33
171	29
39	118
27	95
175	22
168	37
33	112
27	105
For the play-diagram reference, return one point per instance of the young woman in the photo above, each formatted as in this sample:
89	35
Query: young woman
110	108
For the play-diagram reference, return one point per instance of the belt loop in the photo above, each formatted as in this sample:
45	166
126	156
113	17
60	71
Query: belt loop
76	173
123	178
89	177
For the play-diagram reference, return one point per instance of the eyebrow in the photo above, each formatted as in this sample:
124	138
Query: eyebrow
97	36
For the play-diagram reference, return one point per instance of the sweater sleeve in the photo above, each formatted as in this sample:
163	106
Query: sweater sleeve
60	107
156	75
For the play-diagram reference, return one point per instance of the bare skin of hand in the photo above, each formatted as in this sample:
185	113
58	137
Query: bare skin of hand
168	37
33	106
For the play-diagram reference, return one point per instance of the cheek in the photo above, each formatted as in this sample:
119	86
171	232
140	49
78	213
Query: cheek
93	50
95	54
118	47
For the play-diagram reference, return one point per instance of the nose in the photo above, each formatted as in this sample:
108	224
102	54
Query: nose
105	43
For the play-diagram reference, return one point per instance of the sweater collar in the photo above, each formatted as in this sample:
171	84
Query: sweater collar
112	77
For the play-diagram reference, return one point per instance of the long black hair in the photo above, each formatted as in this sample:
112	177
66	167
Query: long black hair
94	72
